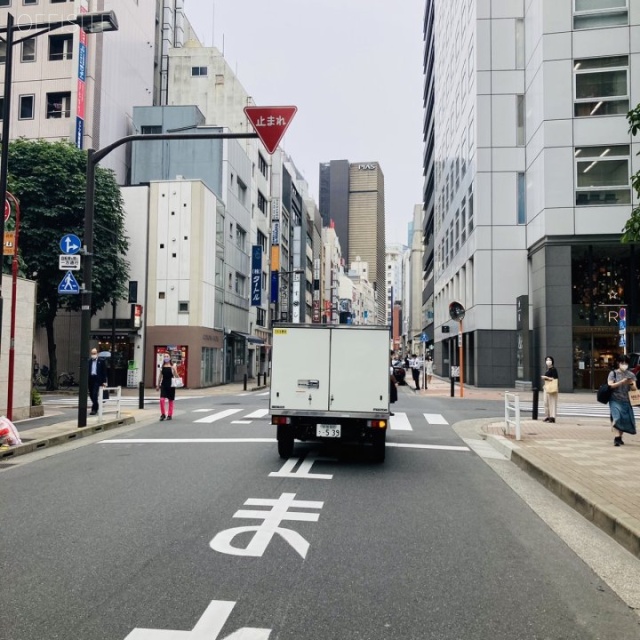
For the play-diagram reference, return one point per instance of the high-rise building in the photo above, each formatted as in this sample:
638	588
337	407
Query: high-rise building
532	158
352	196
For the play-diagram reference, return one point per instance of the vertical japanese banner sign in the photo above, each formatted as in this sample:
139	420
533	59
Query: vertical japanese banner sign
275	250
82	83
256	275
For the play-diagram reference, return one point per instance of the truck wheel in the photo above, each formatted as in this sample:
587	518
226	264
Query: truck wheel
379	447
285	442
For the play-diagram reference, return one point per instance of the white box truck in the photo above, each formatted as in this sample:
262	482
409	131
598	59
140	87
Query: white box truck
330	382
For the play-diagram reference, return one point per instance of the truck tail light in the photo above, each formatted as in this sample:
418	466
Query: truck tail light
280	420
377	424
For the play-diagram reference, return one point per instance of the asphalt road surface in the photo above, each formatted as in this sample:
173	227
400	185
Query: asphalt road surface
196	529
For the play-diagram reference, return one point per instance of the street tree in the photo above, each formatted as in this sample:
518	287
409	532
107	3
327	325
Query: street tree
49	179
631	229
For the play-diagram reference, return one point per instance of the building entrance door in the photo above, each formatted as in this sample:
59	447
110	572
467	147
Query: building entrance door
593	358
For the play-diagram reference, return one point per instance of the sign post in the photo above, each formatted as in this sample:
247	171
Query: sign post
456	312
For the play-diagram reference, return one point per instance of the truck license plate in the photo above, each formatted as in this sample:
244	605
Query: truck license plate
327	430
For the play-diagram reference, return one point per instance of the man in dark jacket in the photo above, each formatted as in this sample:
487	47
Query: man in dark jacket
97	378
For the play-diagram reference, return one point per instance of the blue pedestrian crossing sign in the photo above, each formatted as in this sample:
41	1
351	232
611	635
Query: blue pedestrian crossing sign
424	337
68	284
70	244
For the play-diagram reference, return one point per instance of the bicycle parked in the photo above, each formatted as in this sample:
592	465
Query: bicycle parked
41	377
66	379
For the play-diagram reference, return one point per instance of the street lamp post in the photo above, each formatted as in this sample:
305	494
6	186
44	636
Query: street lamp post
89	23
93	157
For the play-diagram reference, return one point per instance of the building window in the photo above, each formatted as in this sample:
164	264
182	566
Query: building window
3	52
463	221
262	241
59	105
61	47
240	285
5	3
263	166
591	14
601	86
242	192
28	2
183	307
262	203
261	320
602	175
520	119
26	109
28	51
470	201
198	72
1	109
241	237
522	199
520	50
145	131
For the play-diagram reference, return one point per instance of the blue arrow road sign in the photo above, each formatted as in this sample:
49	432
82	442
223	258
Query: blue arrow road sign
68	284
70	244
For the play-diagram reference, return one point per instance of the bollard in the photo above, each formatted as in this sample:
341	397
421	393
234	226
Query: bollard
259	379
534	406
141	395
453	386
245	381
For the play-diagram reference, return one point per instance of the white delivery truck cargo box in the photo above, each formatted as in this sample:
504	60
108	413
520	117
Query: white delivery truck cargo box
323	369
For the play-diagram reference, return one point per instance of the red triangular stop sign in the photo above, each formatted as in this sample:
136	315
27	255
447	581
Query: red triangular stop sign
270	123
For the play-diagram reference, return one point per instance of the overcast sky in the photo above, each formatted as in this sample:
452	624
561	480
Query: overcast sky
354	70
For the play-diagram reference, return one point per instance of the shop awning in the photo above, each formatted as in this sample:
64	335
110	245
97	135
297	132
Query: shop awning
247	336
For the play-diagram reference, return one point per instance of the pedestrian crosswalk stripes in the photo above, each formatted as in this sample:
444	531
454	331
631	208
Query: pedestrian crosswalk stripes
435	418
260	413
400	422
214	417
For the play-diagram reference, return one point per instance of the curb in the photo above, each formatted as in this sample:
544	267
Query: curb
62	438
622	527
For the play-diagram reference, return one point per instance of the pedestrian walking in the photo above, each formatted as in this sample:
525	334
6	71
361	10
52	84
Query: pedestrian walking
415	370
429	370
166	374
620	381
393	389
97	379
550	378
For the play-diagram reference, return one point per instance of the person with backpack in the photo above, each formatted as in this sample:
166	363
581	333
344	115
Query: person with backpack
620	381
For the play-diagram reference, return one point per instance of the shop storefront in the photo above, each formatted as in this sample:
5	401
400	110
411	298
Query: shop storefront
605	279
121	353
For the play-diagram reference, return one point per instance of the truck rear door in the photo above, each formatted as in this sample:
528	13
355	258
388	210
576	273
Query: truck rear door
359	370
300	369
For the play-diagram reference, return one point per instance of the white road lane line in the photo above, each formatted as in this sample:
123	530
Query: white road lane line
241	421
260	413
218	416
397	445
437	447
400	422
264	393
435	418
189	441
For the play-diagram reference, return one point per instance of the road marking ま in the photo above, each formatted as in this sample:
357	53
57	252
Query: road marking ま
208	627
265	531
304	470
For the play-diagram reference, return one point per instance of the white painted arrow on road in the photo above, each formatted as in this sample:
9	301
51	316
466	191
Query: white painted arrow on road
208	628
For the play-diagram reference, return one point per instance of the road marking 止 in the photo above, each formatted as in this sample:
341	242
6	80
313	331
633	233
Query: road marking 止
400	422
218	416
435	418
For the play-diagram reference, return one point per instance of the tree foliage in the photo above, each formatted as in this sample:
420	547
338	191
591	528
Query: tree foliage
631	229
49	179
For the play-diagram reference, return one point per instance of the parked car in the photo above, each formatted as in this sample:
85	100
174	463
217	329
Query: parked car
398	372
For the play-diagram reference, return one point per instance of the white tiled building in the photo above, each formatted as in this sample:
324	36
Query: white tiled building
532	165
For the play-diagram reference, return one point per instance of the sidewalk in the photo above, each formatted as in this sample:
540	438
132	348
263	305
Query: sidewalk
66	431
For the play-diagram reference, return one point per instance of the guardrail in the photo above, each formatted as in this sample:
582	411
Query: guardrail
113	402
512	407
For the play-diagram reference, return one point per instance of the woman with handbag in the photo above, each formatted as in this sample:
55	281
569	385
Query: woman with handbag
166	374
621	380
550	378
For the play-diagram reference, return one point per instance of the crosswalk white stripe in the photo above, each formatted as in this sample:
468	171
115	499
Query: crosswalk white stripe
436	447
218	416
435	418
400	422
188	440
264	393
241	422
260	413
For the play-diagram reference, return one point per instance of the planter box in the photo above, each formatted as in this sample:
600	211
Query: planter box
37	411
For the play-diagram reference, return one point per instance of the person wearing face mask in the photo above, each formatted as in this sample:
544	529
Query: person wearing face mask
620	381
166	373
97	379
550	378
